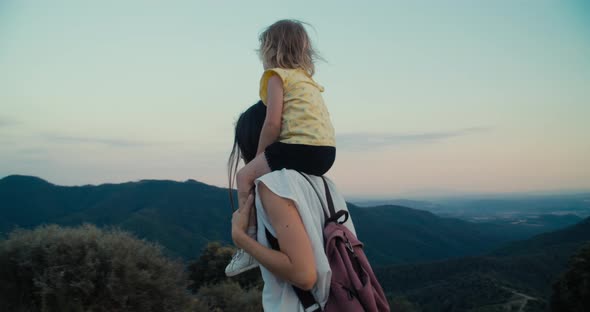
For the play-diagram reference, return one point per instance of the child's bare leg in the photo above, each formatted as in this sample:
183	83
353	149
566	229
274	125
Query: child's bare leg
242	261
245	180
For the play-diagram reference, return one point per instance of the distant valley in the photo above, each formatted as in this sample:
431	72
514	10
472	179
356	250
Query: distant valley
519	274
549	211
456	255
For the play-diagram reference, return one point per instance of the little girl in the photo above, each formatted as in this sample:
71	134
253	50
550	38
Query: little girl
297	132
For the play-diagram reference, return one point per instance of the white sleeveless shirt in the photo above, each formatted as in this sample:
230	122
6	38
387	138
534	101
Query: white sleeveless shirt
278	294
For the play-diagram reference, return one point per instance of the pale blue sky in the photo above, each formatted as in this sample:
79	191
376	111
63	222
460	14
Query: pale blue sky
426	96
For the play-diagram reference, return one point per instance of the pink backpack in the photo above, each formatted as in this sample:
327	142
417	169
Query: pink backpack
354	286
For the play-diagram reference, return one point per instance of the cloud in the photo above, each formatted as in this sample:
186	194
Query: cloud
364	141
6	121
56	138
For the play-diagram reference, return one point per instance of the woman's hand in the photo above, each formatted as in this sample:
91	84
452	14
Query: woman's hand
240	218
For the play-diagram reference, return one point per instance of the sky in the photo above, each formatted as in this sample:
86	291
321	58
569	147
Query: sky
427	97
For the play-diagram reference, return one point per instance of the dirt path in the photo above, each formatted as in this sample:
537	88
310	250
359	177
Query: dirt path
522	300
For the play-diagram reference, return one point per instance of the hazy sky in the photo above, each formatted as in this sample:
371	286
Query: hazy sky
427	97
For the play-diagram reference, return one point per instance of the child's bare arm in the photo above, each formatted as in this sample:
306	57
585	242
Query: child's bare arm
274	111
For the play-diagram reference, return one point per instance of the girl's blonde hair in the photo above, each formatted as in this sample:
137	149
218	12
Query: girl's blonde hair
285	44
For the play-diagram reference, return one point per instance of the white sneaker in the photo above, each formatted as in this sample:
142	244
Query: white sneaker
241	261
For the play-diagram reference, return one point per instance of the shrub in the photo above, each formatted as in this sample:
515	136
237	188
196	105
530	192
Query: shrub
401	304
228	296
571	292
209	269
52	268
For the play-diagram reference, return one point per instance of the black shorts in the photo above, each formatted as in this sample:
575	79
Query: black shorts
310	159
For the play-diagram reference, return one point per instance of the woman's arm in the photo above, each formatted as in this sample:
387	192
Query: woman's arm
271	128
295	261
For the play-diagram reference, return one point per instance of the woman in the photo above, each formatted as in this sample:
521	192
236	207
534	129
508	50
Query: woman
289	208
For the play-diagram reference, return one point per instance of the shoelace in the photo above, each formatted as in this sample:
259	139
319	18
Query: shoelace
238	254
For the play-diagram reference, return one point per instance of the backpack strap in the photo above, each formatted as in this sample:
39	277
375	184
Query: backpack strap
333	216
306	297
329	198
326	215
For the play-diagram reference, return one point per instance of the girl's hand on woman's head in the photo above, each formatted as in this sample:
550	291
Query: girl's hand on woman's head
240	218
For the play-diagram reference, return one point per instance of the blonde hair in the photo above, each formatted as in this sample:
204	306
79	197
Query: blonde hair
285	44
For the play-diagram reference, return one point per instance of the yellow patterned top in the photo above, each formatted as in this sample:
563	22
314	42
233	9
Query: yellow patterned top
305	117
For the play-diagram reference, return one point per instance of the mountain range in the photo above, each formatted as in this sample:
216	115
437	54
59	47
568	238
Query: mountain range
185	216
437	263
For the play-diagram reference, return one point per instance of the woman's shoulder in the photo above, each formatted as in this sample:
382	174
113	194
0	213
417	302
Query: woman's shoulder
291	181
292	185
280	178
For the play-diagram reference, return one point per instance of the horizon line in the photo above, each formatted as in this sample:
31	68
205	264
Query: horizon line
367	197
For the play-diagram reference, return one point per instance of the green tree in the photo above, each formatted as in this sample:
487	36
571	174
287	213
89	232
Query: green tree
228	296
209	269
571	292
52	268
401	304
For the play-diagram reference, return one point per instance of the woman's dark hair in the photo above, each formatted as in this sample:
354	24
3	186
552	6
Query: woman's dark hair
246	137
